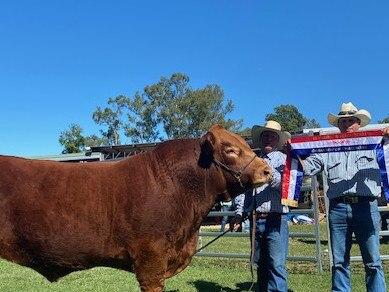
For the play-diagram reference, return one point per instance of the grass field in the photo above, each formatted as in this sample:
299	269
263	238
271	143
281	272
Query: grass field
204	274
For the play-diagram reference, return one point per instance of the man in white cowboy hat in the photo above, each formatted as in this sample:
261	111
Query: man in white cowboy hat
271	234
348	110
354	184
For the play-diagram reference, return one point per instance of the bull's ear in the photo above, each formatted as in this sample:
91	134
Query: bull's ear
207	147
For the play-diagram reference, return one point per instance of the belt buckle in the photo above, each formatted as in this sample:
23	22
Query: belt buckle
350	199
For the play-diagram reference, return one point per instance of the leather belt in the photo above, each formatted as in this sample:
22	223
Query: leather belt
353	199
262	215
266	215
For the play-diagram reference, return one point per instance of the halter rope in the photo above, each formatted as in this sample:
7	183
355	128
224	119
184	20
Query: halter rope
235	173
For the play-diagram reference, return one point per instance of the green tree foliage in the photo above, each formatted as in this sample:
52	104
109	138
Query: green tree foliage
291	119
74	142
72	139
142	122
384	121
172	106
206	107
94	140
310	124
110	117
168	109
245	132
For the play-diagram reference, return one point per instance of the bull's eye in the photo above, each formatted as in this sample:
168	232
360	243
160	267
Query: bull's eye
232	151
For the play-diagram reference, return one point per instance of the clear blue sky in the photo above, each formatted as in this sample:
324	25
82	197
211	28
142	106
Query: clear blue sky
59	60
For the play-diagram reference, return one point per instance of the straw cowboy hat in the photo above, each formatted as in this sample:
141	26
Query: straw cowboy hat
349	110
272	126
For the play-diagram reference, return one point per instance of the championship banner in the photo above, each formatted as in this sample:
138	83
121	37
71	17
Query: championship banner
306	145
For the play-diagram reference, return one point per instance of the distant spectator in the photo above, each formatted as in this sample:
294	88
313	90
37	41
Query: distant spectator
245	225
225	206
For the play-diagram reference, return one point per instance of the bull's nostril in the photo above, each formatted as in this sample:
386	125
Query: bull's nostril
267	172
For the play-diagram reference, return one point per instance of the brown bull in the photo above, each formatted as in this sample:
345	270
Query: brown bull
141	214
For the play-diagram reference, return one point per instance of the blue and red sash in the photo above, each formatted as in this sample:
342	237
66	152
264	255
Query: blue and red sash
306	145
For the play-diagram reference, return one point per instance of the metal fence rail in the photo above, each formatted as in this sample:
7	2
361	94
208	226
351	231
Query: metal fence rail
315	234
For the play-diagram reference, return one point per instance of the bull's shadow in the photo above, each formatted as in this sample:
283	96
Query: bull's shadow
205	286
214	287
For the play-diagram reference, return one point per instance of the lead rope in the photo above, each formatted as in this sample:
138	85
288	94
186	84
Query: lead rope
220	235
200	249
253	226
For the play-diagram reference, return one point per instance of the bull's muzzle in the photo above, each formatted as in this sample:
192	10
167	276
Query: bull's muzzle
264	174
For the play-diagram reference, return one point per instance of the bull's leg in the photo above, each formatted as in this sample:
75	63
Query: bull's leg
150	268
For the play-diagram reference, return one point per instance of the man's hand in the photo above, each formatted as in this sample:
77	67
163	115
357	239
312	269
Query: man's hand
385	132
235	222
289	147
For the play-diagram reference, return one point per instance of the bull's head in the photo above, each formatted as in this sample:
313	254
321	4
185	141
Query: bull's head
231	153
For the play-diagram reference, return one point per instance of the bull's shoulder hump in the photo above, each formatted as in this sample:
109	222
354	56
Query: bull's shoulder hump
178	146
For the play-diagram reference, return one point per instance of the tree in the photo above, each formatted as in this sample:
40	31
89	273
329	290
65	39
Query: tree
206	107
172	106
311	124
245	132
111	118
74	142
291	119
94	140
142	125
72	139
384	121
169	109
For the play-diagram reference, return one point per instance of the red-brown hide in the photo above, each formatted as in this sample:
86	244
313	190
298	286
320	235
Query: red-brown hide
141	214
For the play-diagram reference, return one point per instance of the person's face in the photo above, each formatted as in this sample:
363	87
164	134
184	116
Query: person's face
349	124
269	141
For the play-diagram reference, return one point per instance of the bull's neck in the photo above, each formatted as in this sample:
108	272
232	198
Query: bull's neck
200	184
214	185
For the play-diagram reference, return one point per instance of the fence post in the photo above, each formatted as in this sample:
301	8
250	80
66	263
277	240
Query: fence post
317	226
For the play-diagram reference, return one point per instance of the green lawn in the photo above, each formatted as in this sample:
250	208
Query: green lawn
204	274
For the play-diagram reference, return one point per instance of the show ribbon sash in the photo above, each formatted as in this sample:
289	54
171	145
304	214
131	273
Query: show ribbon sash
306	145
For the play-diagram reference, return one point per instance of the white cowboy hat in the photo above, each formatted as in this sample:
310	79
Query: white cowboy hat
349	110
273	126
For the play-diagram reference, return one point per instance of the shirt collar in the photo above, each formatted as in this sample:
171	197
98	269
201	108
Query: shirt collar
267	155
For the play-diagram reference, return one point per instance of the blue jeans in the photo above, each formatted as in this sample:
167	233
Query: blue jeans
364	220
271	249
224	208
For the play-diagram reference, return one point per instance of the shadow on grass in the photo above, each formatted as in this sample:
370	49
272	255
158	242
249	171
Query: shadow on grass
214	287
383	240
312	241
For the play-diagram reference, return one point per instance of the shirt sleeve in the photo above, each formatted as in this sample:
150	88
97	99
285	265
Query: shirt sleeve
239	203
277	164
313	164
